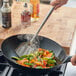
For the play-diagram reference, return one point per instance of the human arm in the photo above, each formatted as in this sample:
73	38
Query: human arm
58	3
73	60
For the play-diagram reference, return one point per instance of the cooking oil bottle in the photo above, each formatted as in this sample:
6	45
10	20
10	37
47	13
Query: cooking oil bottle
6	14
34	10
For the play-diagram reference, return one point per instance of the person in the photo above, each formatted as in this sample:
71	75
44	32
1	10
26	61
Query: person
73	60
59	3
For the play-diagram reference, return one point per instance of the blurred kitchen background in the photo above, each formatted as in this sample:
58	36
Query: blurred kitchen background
71	3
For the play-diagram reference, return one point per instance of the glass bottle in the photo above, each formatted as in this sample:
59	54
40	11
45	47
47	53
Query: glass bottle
34	10
26	16
6	14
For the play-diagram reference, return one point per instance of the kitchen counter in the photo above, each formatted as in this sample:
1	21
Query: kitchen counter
59	27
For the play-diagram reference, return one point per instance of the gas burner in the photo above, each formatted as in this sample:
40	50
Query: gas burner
10	71
7	70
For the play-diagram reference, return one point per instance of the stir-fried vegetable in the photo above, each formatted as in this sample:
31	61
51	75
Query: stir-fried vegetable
40	59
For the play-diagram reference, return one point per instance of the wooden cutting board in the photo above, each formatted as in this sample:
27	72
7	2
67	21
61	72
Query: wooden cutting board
59	27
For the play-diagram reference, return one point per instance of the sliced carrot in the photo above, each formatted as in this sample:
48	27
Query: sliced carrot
21	62
45	67
34	66
32	61
51	64
49	55
35	58
25	59
40	49
47	52
38	63
44	50
26	65
44	62
44	54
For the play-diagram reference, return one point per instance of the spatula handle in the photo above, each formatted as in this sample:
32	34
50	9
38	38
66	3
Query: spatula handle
44	21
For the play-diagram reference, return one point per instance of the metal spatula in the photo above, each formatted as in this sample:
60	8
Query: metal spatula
26	47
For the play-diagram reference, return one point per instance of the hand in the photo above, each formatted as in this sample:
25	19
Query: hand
58	3
73	60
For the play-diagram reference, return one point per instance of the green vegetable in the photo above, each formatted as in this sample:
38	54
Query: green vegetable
15	58
51	66
36	53
52	56
39	59
28	63
24	56
45	58
41	52
38	67
30	58
50	51
51	61
31	55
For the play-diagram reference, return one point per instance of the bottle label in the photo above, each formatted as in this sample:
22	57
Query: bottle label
6	19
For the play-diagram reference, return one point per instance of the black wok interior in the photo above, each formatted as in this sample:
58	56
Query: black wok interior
13	42
10	44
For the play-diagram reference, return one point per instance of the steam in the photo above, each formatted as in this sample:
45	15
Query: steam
26	48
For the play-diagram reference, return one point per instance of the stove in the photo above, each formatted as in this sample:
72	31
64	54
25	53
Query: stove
70	69
7	70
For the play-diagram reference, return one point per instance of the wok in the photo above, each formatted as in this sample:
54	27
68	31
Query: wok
10	44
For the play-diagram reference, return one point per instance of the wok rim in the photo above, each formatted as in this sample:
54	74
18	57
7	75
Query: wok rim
21	65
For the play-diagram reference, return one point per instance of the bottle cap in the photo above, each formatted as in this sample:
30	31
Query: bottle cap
25	5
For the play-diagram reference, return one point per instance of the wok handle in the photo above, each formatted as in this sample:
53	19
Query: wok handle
67	59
